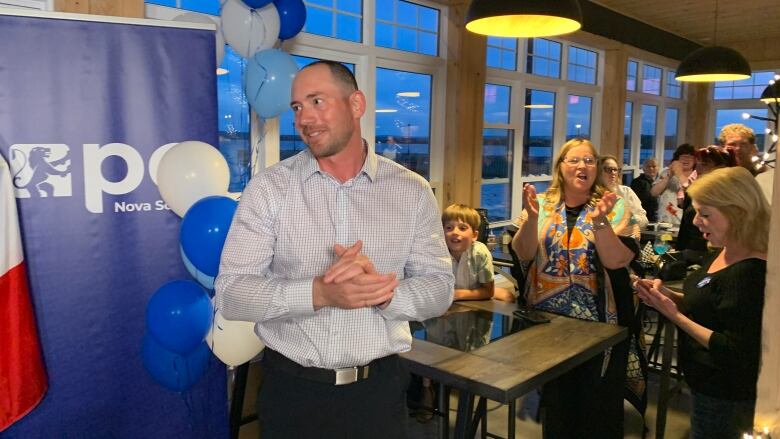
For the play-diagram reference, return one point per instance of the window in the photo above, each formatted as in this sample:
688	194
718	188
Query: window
407	26
578	117
727	116
647	132
582	65
496	104
627	131
340	19
233	114
631	75
544	58
670	134
403	118
538	136
210	7
290	143
651	80
496	192
673	86
750	88
502	53
497	154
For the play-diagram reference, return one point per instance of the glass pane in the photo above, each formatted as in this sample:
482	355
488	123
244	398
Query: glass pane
538	136
428	43
497	150
384	35
493	57
407	14
403	122
670	134
627	133
407	39
384	10
348	27
578	117
429	19
509	60
631	75
352	6
496	103
496	198
651	80
323	3
233	123
318	21
647	133
205	6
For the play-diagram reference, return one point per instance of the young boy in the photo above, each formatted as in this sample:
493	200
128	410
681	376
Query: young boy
472	263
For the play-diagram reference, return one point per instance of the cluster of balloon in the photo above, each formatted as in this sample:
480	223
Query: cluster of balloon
252	28
193	179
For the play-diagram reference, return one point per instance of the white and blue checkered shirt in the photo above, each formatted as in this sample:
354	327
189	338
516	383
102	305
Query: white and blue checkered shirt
282	236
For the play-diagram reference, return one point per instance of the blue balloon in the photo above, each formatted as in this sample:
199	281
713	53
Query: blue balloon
174	371
179	315
202	278
203	232
254	4
292	17
269	77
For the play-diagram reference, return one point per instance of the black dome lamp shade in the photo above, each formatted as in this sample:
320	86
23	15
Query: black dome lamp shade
713	64
524	18
771	94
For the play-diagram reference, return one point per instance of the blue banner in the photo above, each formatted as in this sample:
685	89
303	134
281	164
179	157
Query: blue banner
86	111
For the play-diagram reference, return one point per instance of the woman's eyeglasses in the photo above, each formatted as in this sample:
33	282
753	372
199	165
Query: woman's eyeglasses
610	170
574	161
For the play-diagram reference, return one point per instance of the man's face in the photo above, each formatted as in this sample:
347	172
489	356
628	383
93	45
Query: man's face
650	168
743	149
326	115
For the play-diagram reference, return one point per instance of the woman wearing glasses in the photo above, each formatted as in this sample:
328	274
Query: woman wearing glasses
611	175
576	235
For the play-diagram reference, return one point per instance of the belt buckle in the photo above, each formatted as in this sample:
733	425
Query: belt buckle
346	375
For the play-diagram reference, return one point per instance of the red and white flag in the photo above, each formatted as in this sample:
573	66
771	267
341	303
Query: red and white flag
22	374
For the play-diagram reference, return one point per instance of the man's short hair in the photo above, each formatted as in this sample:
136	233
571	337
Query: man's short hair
684	149
736	129
461	212
340	72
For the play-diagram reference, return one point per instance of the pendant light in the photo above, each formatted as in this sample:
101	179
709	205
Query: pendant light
771	94
713	63
524	18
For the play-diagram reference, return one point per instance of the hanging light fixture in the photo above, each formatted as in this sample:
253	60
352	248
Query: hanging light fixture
524	18
771	94
713	63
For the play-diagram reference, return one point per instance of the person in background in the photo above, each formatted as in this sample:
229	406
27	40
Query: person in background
642	186
331	252
472	263
742	140
611	174
391	149
707	160
720	309
577	238
671	185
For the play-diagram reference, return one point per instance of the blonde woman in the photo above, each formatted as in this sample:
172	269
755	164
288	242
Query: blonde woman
719	312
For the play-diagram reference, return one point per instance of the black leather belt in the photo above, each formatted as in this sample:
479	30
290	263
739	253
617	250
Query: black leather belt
338	377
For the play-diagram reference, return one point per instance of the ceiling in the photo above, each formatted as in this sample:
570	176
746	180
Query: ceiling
738	20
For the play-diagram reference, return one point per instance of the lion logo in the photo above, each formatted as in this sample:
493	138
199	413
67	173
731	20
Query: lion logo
41	170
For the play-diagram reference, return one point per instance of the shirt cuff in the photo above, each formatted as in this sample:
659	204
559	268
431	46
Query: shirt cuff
299	296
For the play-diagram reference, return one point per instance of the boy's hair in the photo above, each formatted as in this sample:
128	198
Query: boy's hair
461	212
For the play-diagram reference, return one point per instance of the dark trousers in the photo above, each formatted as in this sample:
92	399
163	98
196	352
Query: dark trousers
718	418
295	407
582	404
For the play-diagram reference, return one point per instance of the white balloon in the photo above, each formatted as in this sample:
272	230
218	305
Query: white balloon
190	171
247	30
233	342
193	17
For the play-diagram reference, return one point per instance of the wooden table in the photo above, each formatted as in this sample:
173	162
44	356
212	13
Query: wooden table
510	367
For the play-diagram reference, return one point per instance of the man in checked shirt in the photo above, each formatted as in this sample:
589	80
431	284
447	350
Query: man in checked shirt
332	252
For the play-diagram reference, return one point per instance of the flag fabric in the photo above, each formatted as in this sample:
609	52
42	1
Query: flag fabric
23	380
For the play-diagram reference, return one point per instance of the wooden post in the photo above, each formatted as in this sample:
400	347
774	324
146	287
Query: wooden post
614	101
697	113
119	8
465	99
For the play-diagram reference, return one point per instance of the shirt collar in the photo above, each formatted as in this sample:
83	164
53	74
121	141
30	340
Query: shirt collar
310	166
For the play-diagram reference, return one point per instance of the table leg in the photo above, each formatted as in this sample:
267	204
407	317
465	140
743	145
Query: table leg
465	409
237	402
443	406
666	371
512	418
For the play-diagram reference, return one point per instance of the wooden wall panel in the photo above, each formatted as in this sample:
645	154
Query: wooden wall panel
118	8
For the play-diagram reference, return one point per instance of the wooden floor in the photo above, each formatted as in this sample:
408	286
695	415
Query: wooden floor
677	422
